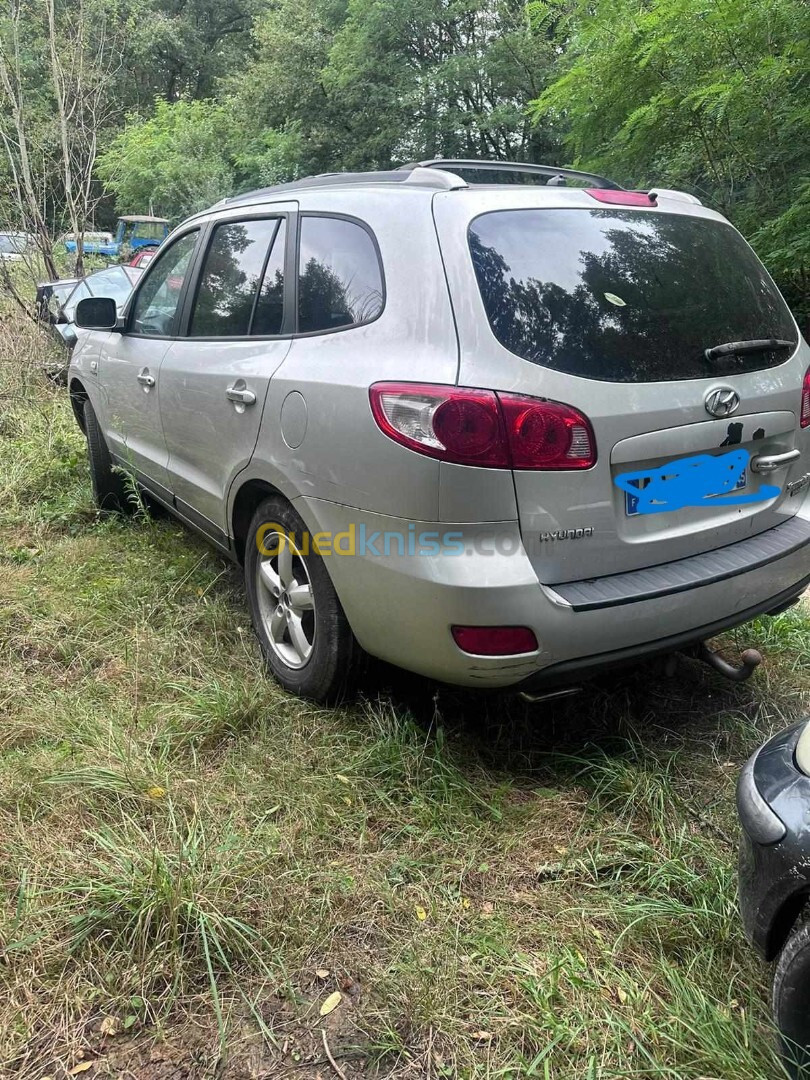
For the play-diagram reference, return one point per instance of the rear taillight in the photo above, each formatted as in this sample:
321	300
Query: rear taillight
495	640
804	413
546	434
483	427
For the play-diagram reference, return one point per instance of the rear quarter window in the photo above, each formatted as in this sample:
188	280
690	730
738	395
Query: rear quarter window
623	295
340	282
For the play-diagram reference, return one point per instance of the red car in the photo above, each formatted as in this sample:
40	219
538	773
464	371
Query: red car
143	257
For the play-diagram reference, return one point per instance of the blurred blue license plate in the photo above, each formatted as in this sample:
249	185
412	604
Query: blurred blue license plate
631	501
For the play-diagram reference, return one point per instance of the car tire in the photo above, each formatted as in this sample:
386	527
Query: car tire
310	650
109	490
791	1002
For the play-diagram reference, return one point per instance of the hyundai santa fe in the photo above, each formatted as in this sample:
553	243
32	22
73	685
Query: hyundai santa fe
499	425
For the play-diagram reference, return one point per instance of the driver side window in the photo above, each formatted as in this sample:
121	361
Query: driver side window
155	308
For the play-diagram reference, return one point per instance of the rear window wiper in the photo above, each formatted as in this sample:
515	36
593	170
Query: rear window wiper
755	345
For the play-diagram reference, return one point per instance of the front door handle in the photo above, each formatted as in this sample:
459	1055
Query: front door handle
145	378
768	463
244	397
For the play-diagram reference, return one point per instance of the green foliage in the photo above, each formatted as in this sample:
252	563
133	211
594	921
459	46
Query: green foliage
425	77
371	82
177	162
189	154
213	98
272	156
710	95
330	85
181	48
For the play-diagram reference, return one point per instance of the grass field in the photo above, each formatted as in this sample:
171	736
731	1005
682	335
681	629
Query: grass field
192	862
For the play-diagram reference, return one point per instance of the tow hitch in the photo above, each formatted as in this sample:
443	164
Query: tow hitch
750	661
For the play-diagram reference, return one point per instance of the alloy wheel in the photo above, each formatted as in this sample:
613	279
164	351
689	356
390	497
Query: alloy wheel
286	602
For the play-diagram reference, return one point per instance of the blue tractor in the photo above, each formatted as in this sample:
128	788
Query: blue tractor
133	232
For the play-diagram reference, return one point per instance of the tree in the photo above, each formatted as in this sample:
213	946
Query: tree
419	78
190	154
178	161
709	95
283	91
182	48
56	64
368	83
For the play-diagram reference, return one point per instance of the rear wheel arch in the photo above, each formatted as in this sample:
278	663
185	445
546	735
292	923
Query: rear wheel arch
249	496
307	642
246	502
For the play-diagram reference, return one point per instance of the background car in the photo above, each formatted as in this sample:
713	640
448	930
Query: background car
91	240
143	257
51	295
133	231
56	300
14	246
773	802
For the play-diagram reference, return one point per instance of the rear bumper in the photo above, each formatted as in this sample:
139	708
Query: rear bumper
588	666
401	606
685	574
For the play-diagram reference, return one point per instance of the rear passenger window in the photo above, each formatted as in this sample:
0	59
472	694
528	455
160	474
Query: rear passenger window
229	282
339	277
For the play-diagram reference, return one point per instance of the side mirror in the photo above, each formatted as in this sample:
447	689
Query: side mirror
96	313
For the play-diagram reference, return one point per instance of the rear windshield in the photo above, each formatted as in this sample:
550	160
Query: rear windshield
625	295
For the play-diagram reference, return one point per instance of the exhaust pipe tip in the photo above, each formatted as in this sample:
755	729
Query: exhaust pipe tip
548	695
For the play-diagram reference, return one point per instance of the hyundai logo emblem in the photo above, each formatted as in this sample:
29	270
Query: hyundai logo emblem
722	402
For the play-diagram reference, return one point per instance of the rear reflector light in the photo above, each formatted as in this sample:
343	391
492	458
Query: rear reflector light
622	198
495	640
804	415
483	428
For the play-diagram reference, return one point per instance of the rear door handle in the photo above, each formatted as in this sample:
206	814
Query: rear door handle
770	463
245	397
146	379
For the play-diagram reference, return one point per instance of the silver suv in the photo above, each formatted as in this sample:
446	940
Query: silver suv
499	425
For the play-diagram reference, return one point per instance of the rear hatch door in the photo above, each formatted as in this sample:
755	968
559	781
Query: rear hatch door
612	310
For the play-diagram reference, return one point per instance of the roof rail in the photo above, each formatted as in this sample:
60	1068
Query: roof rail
435	178
556	177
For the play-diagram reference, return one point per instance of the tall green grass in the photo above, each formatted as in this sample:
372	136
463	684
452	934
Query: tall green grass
192	859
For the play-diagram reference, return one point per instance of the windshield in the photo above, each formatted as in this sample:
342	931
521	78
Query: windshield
117	282
13	243
147	230
624	295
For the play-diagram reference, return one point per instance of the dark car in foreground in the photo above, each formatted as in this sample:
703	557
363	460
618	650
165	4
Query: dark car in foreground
773	801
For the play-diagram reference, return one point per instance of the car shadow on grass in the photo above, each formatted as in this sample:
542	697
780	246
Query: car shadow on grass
642	704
